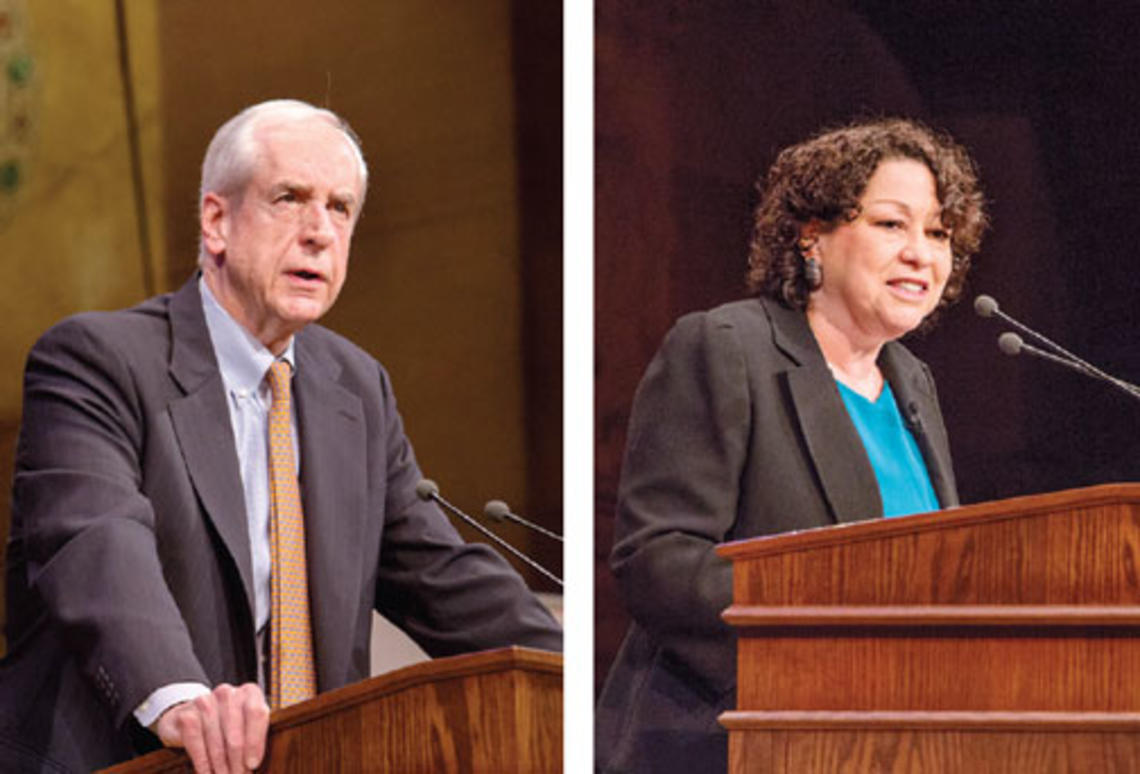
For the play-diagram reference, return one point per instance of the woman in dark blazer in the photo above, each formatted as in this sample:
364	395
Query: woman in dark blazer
791	410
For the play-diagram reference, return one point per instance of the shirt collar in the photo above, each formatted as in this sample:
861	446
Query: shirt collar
243	359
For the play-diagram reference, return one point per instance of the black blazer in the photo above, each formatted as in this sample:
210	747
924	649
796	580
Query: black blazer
129	562
737	430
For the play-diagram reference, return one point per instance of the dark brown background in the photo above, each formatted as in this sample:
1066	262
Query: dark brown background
693	102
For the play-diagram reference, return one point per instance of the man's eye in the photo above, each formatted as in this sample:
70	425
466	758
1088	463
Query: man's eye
287	196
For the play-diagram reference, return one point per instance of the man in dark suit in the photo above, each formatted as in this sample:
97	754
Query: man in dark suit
139	570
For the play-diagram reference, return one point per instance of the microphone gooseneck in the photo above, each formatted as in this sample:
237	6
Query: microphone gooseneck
1012	344
987	306
499	511
428	490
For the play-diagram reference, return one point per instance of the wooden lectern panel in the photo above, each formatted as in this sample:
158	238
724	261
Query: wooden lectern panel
998	637
495	711
983	747
1076	547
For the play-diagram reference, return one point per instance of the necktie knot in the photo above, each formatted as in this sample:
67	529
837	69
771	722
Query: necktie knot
279	375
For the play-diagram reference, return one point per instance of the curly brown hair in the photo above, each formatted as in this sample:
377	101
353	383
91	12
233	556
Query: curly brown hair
822	180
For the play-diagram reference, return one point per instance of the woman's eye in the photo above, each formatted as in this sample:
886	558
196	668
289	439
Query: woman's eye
940	234
891	224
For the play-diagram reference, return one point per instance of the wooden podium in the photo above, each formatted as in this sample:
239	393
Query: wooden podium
495	711
1001	637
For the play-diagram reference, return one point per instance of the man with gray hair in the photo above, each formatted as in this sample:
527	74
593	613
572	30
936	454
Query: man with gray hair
212	493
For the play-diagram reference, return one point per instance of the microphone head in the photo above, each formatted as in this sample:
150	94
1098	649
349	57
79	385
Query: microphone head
427	489
1010	343
496	510
985	305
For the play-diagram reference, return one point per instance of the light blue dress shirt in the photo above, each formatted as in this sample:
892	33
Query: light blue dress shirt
244	361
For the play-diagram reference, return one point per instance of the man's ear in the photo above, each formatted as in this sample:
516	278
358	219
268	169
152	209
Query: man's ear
215	222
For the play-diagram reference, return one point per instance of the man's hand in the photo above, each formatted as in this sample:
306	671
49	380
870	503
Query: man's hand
223	731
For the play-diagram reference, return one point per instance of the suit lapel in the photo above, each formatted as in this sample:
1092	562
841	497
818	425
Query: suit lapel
919	407
331	427
201	421
833	443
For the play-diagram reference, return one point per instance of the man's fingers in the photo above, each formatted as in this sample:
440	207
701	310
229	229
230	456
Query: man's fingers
231	721
215	742
256	713
223	731
181	726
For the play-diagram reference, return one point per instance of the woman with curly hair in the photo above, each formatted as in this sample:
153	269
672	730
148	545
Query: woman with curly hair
794	409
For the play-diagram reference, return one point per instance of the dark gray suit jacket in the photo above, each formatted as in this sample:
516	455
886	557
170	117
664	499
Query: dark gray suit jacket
129	559
737	430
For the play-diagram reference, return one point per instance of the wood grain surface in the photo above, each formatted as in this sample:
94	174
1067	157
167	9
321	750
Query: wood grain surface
998	637
494	711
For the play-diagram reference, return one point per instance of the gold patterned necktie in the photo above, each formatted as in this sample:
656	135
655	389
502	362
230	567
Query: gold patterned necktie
293	676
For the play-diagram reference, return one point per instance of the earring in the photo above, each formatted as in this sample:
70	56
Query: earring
813	274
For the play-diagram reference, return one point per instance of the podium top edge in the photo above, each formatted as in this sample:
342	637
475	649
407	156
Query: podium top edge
949	518
509	658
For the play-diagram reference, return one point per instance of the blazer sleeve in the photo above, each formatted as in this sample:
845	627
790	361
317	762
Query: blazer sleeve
83	535
679	492
450	596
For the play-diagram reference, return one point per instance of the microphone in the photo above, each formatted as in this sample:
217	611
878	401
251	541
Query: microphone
987	306
428	490
1012	344
499	511
913	420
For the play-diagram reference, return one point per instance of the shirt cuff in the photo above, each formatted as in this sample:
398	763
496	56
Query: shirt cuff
165	698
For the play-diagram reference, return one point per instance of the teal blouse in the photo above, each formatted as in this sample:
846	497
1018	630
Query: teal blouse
904	482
